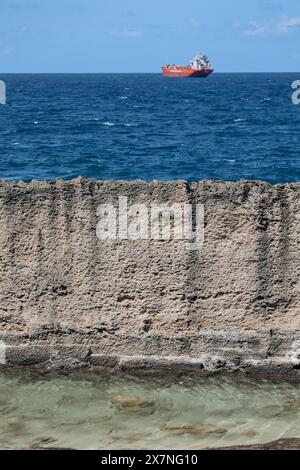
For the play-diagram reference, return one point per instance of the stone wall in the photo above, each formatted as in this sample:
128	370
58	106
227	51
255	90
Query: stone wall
69	299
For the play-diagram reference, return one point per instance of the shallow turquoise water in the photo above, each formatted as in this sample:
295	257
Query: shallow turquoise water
87	411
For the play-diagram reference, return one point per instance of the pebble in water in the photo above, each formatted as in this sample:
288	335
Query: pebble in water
248	433
203	431
131	401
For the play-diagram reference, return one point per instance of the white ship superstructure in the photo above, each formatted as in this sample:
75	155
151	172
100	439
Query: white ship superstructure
200	62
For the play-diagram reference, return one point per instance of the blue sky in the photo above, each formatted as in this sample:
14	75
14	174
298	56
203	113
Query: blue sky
141	35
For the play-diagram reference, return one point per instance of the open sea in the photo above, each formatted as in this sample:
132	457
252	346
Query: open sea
144	126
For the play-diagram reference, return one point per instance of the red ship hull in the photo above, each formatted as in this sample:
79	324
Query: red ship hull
178	71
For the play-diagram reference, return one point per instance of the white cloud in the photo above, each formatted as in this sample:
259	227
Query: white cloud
256	29
5	51
288	24
195	23
126	33
284	26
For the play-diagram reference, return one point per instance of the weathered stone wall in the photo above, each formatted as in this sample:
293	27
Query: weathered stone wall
68	298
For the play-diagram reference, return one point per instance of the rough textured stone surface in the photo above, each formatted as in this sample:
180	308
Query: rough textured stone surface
70	299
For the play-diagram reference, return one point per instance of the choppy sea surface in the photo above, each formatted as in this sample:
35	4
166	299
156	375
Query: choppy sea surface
127	126
87	411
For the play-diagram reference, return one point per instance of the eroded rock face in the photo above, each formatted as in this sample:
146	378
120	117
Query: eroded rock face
69	299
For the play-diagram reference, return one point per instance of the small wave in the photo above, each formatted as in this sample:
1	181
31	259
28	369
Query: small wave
232	162
108	124
16	143
123	97
89	121
239	120
36	122
130	124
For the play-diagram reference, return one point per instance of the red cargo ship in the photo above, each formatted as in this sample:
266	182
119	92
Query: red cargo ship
199	66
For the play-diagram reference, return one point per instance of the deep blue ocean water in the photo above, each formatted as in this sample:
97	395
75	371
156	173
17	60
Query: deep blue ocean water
115	126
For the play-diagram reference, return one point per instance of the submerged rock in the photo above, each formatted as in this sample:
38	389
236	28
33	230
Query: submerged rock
43	441
203	431
270	411
248	433
131	401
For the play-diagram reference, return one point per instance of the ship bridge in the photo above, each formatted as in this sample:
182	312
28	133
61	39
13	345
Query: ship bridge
199	62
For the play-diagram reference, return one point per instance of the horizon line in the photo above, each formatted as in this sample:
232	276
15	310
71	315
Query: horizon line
133	73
